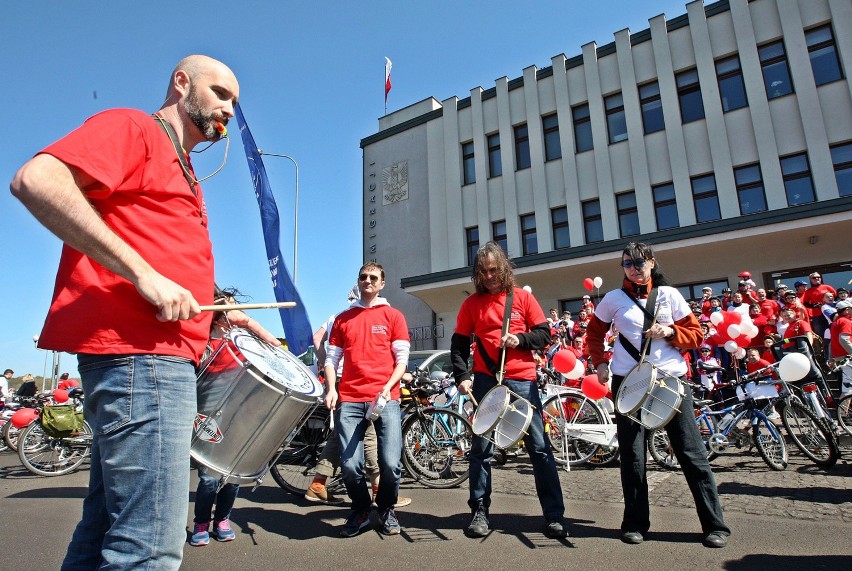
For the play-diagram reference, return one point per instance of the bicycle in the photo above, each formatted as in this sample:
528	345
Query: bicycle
46	455
843	411
296	464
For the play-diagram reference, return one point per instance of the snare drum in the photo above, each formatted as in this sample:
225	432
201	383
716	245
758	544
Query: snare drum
252	397
649	396
503	417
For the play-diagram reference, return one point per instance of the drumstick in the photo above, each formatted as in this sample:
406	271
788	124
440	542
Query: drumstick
244	306
648	339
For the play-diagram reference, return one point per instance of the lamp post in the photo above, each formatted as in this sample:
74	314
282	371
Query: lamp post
295	209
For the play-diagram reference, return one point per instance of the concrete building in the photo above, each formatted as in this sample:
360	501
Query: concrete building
723	136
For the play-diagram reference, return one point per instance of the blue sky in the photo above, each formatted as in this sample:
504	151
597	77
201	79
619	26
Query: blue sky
311	77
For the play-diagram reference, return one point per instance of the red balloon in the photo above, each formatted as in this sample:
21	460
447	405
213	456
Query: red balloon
60	395
593	388
589	284
732	317
564	361
23	417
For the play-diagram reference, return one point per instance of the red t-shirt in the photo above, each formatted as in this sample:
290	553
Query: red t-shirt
813	298
841	326
366	335
142	195
769	308
482	314
797	328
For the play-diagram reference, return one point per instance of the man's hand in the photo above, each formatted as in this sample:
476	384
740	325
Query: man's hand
603	373
173	302
240	319
509	340
466	387
331	399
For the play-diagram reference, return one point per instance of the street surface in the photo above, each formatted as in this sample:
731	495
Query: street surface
800	518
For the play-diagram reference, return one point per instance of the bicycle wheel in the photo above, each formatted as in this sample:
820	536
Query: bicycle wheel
844	414
46	456
770	444
660	448
809	434
294	467
561	409
436	447
10	436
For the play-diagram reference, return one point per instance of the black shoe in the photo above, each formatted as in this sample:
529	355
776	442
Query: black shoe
632	537
715	539
555	529
479	524
355	524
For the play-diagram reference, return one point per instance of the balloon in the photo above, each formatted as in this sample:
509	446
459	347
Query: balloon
733	317
734	331
577	371
589	284
597	281
791	368
527	289
60	395
731	346
564	361
717	317
740	353
23	417
593	388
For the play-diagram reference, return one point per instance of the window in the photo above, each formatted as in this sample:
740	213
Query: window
495	167
797	179
559	221
731	86
522	147
529	239
498	233
592	223
689	96
552	146
665	206
628	215
616	124
472	240
841	156
582	128
750	189
776	72
706	198
652	107
468	167
823	53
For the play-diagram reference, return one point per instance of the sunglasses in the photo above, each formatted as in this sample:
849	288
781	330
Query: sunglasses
372	278
816	277
705	351
637	263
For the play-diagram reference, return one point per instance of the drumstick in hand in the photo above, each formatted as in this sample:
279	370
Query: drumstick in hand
244	306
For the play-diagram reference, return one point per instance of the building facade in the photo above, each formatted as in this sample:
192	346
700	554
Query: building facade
722	136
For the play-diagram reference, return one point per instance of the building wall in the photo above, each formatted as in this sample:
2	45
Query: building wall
421	240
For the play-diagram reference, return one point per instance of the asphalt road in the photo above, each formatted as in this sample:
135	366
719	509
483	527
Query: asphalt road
800	518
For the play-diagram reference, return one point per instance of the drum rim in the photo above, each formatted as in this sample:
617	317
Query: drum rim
673	408
240	332
499	416
647	389
527	422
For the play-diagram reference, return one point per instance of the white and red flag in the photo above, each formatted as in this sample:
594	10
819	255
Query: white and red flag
388	66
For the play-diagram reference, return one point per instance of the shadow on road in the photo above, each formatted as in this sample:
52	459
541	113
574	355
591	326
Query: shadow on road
785	562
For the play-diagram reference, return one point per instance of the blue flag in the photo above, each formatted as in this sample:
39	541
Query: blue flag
297	327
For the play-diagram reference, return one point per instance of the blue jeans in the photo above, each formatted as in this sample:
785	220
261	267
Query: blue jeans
690	451
141	409
208	493
546	475
351	425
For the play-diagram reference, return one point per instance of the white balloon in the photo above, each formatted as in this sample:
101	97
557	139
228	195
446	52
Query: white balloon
731	346
527	289
793	367
716	318
578	370
734	331
740	353
752	331
597	281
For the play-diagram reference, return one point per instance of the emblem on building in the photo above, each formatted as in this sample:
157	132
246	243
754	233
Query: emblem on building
395	183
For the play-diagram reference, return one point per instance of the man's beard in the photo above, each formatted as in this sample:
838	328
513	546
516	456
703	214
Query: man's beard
207	124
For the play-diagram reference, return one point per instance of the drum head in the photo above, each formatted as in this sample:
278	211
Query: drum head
490	410
514	424
635	386
276	364
662	403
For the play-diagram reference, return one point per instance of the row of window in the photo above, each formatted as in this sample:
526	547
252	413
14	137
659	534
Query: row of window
798	185
776	78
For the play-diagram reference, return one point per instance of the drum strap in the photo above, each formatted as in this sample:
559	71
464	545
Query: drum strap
507	314
649	320
178	151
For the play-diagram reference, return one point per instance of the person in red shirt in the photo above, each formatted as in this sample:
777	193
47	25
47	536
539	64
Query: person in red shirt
797	327
761	323
813	300
769	308
841	342
482	314
372	339
792	301
66	383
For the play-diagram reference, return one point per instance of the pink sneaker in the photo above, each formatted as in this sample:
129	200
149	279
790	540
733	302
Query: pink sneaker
223	531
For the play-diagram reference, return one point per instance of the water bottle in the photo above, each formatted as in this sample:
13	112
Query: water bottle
726	421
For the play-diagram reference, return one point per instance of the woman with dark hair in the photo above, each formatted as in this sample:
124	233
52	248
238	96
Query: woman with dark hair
674	330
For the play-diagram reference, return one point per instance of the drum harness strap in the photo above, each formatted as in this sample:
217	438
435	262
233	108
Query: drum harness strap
179	152
649	321
507	314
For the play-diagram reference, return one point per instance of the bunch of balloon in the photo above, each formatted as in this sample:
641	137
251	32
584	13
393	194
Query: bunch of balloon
734	331
593	283
568	364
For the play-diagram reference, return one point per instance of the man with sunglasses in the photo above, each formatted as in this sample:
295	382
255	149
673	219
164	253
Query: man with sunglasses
372	339
813	300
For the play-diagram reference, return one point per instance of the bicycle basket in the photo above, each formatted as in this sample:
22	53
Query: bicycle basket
60	421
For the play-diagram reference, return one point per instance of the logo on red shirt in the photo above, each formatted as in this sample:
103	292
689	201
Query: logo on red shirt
379	330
